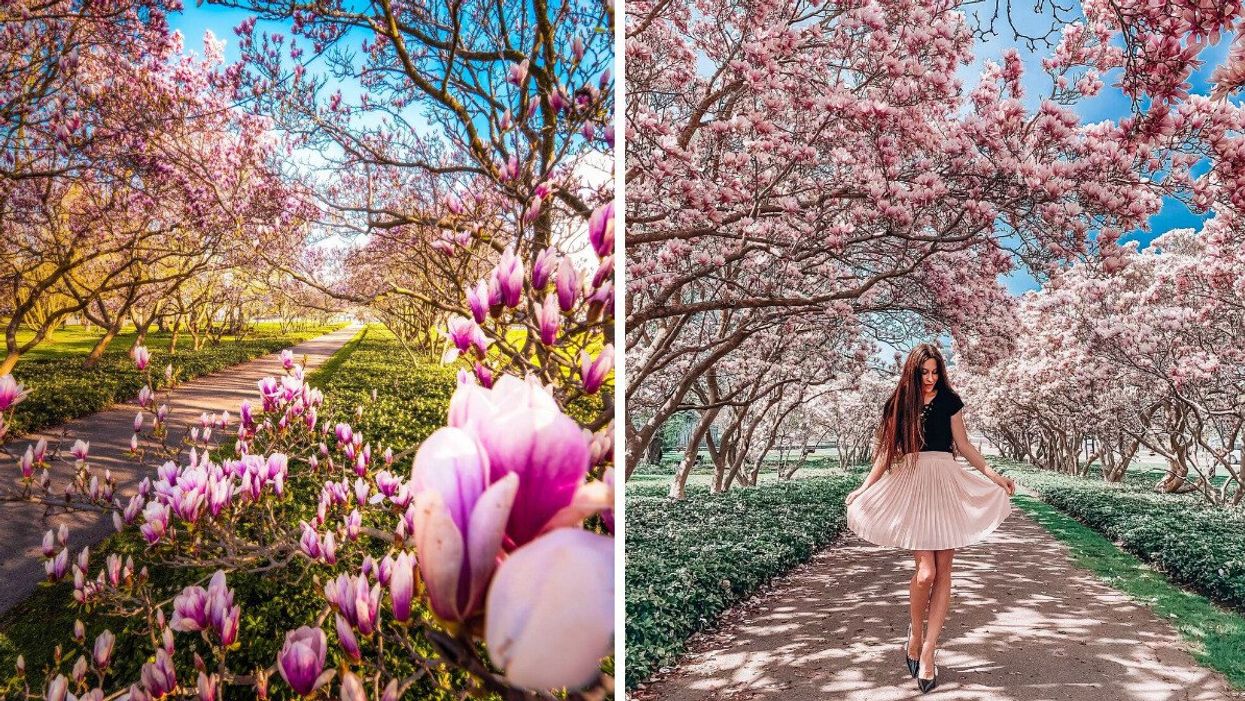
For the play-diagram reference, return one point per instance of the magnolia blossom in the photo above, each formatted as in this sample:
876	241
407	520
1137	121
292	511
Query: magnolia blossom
80	449
141	357
459	520
594	371
159	678
509	275
102	652
301	660
601	230
523	432
11	393
551	610
550	320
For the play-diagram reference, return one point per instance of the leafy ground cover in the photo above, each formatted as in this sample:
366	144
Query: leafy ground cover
1193	543
62	389
688	561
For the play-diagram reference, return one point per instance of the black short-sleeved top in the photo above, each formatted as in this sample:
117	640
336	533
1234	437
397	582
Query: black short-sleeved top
936	420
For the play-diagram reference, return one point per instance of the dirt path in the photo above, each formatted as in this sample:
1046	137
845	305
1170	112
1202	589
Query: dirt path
1025	625
109	431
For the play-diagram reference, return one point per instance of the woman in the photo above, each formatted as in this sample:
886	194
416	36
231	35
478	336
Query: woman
917	497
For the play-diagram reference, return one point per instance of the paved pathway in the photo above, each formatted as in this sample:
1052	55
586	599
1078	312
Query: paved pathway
109	431
1025	625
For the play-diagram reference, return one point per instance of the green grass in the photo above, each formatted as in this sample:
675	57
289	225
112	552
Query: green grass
1216	637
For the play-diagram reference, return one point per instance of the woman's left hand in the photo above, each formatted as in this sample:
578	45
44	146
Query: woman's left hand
1007	483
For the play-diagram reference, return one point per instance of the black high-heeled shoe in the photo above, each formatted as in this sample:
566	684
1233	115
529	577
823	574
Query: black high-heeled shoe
927	685
912	664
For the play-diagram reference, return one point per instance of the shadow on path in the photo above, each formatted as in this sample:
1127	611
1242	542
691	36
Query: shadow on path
109	431
1025	625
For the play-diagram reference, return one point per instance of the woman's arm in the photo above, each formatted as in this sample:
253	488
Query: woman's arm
879	468
965	447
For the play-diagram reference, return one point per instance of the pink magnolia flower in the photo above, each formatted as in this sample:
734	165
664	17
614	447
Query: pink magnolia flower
595	371
402	585
301	660
102	651
542	269
156	521
287	359
58	688
517	73
27	463
11	394
510	278
483	374
523	432
601	230
459	520
355	601
550	320
80	449
347	638
159	678
532	633
352	688
568	284
460	331
142	357
56	567
190	610
478	301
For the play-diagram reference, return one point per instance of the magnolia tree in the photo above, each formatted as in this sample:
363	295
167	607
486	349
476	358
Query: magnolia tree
477	153
777	166
1140	353
126	172
749	397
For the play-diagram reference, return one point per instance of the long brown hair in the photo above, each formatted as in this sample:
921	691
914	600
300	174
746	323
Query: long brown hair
900	431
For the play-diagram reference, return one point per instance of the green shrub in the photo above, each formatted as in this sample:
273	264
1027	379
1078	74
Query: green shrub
1194	543
688	561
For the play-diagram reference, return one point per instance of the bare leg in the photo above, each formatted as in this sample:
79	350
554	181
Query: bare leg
919	594
939	605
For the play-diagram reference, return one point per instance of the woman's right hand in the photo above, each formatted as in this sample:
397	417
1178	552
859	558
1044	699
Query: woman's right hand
852	496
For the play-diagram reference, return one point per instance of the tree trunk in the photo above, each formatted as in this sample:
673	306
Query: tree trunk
678	487
98	351
9	362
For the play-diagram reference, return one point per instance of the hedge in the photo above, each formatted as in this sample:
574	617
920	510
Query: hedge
687	562
1193	543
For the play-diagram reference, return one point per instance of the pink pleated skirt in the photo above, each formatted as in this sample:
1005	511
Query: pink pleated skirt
928	503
